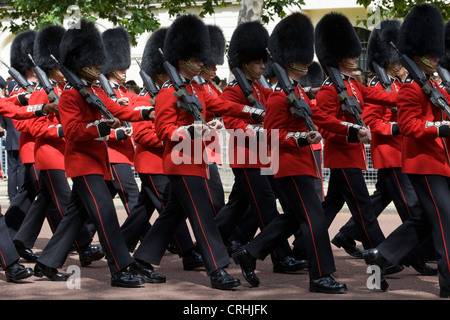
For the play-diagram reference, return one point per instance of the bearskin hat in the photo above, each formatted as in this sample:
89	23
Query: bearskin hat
445	61
187	37
21	47
248	42
82	46
314	78
292	40
335	39
47	43
217	41
379	49
152	61
118	51
422	32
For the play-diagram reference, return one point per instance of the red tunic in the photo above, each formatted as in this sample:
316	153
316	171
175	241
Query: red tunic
283	125
385	147
49	146
86	152
148	157
337	151
183	155
250	154
423	151
121	151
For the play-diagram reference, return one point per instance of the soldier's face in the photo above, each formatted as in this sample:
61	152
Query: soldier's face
428	63
348	65
190	68
209	72
255	69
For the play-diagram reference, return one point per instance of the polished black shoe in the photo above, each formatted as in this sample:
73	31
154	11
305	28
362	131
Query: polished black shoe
145	270
90	253
248	266
392	269
444	292
192	260
16	272
233	246
418	263
340	240
220	279
26	253
289	265
126	279
41	270
374	257
326	285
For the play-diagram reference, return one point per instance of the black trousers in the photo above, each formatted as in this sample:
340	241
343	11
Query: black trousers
90	199
124	185
393	186
155	190
54	192
306	213
16	173
251	188
18	208
433	192
8	252
187	198
347	185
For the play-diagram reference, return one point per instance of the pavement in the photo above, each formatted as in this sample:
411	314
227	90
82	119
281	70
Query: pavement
187	289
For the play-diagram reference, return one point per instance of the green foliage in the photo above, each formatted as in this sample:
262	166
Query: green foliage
135	15
399	8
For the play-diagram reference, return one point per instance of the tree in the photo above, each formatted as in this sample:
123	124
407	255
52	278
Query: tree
400	8
135	15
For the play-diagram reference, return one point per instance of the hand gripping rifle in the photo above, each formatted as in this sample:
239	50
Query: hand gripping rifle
149	84
435	96
349	104
382	76
106	86
92	99
299	107
20	79
245	86
186	101
44	81
444	74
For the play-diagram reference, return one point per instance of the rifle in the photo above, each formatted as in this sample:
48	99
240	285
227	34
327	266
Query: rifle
245	86
435	96
444	74
20	79
44	81
382	75
148	83
299	107
186	101
350	104
106	86
92	99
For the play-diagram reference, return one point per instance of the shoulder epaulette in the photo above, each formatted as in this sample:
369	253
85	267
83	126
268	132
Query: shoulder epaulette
232	83
409	79
68	86
277	87
375	80
143	92
38	87
327	82
167	84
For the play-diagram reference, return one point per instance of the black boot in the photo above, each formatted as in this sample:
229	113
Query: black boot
41	270
90	253
289	265
145	270
374	257
248	266
326	285
220	279
340	240
26	253
16	272
192	260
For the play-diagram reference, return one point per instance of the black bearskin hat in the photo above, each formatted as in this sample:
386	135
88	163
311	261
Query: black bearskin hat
445	61
82	46
292	40
118	51
217	40
152	61
248	42
379	49
336	39
314	78
47	43
186	37
422	32
21	47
